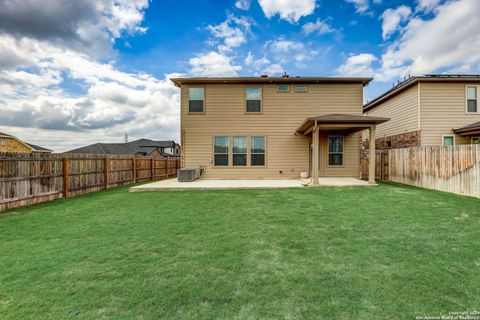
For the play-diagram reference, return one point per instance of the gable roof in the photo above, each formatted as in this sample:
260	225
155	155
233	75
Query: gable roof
34	147
401	86
145	146
268	80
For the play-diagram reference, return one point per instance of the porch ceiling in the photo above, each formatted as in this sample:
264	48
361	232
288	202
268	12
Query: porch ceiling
339	122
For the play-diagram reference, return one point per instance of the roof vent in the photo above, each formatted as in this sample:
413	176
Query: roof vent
285	75
264	76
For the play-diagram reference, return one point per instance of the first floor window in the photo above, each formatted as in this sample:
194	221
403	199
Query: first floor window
221	151
472	98
448	140
257	152
239	151
335	150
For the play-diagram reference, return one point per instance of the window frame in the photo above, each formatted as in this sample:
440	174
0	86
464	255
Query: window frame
342	153
448	136
301	85
245	99
3	142
252	153
204	99
215	153
477	98
283	91
237	153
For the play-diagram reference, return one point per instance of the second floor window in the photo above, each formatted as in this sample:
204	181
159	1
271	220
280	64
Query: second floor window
472	99
254	99
196	100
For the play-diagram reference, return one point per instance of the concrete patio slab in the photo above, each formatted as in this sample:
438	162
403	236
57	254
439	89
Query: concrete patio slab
173	184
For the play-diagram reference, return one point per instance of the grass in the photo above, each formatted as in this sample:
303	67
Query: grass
386	252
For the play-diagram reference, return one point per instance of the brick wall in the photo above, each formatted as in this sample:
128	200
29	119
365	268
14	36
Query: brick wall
404	140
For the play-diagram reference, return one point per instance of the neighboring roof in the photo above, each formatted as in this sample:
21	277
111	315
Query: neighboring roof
34	147
337	118
38	148
469	128
265	79
401	86
4	135
145	146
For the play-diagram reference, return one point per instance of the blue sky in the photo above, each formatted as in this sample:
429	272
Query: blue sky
73	73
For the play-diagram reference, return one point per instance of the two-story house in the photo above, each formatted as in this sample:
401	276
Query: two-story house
427	111
9	143
273	128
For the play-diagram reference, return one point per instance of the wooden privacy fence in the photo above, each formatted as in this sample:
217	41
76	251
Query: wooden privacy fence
33	178
381	164
453	169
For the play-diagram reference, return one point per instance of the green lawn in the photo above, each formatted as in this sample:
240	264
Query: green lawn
386	252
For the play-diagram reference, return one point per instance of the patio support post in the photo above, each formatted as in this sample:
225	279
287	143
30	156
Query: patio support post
315	162
372	156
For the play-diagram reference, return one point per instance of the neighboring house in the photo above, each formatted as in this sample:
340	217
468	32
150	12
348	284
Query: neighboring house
429	110
9	143
141	147
272	128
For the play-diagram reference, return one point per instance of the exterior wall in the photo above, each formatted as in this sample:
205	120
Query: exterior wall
286	153
398	141
13	145
403	112
443	107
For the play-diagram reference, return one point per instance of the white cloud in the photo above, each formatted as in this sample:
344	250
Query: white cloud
283	51
213	64
249	58
319	27
449	40
233	31
243	4
288	10
392	19
358	66
427	5
361	6
41	63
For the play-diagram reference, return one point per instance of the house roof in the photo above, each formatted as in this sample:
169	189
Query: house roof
38	148
145	146
472	128
34	147
401	86
265	79
339	121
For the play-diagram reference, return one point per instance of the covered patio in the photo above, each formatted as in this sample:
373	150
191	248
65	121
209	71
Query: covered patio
344	124
471	131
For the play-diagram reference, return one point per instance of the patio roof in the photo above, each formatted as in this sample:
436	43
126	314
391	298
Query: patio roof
339	122
471	129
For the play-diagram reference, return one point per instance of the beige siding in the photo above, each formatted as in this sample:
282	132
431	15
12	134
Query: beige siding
13	145
443	107
402	109
286	153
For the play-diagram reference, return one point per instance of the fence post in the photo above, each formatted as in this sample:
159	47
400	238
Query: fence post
105	171
151	167
134	170
65	177
167	169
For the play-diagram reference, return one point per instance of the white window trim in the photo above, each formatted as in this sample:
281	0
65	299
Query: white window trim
204	99
234	153
264	151
283	91
261	99
466	99
301	85
445	136
227	153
